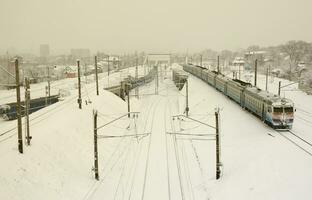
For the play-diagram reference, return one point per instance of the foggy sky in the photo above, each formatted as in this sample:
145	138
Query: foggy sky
155	26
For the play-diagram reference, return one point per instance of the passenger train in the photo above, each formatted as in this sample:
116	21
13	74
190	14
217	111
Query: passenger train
272	109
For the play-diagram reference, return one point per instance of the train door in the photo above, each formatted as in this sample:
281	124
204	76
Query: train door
263	110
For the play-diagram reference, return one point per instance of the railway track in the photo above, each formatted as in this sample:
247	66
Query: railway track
297	140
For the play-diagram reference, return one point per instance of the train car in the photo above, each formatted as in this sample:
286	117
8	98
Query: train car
212	78
221	82
235	90
279	112
254	102
9	111
272	109
205	75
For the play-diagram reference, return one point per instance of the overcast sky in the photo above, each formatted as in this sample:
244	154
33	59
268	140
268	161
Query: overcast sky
152	25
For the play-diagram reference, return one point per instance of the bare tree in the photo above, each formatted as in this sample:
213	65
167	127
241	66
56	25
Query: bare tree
295	51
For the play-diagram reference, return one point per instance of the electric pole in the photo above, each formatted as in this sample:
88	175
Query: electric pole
108	71
128	98
156	85
218	163
96	161
279	88
266	79
27	106
79	85
46	96
49	86
187	107
136	77
256	71
18	108
218	65
96	75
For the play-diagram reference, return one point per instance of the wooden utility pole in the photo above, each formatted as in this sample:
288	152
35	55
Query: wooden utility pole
279	88
218	65
218	163
108	71
46	95
118	63
96	160
18	109
96	75
79	86
187	107
157	83
49	84
128	98
27	106
136	77
266	79
256	71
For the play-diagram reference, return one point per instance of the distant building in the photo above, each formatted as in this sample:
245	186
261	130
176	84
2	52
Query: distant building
238	66
44	50
70	71
80	53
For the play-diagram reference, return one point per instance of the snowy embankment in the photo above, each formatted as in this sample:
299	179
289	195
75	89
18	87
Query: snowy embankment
58	163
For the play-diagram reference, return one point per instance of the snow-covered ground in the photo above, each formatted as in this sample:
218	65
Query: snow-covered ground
258	163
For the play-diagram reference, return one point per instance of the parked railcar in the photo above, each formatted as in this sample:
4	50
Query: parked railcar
9	110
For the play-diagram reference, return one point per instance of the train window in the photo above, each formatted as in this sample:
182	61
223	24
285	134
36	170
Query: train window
278	109
288	109
270	109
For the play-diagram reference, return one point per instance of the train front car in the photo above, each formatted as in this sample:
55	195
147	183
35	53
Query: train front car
282	114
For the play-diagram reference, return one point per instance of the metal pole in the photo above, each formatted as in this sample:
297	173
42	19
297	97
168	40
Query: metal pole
96	161
18	108
279	88
96	75
187	107
256	71
218	164
27	105
79	85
